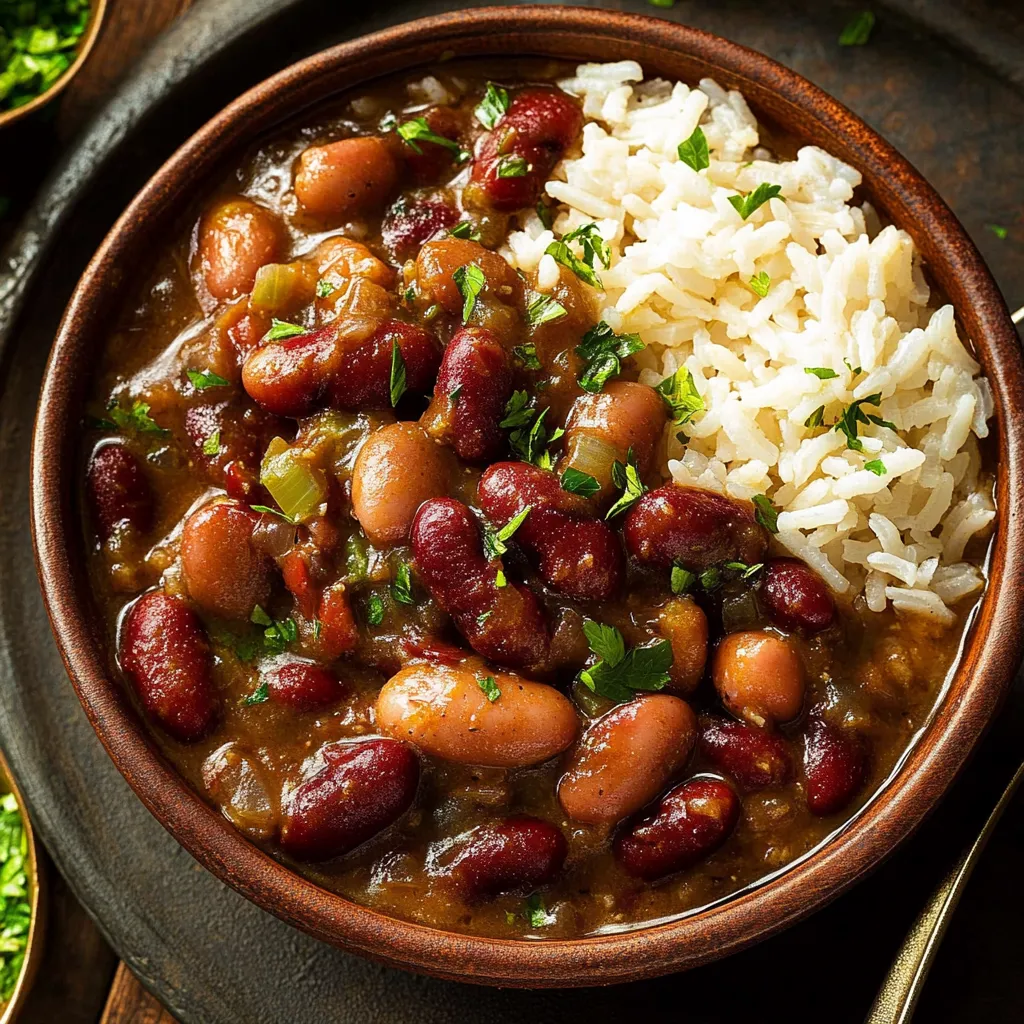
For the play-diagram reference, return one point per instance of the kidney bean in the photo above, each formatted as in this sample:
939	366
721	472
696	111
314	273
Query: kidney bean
397	469
518	853
236	238
443	710
166	657
303	685
578	555
835	767
477	370
796	597
438	261
362	789
759	677
682	622
345	178
225	575
626	757
539	125
434	160
339	366
754	758
505	624
410	222
688	824
118	490
694	527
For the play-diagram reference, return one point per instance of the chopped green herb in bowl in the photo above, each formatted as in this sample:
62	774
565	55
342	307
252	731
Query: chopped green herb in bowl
17	899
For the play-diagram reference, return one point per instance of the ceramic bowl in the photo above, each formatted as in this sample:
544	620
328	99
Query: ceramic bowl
974	693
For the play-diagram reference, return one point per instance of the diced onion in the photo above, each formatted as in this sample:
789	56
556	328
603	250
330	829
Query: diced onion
593	456
297	486
276	288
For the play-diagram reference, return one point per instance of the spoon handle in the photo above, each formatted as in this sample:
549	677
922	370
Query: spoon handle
899	993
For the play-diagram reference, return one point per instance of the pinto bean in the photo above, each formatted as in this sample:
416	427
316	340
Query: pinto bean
438	261
166	657
759	677
445	712
118	490
362	789
796	597
538	127
477	370
688	824
682	622
225	575
835	767
410	222
626	757
754	758
397	469
577	554
303	685
518	853
506	623
345	178
236	238
694	528
340	366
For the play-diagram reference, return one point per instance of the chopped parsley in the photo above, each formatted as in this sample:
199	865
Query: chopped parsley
681	580
324	288
529	437
202	380
760	284
595	250
858	30
374	610
15	910
469	279
542	310
267	510
745	571
278	635
602	351
694	151
766	513
876	466
258	696
493	107
747	202
455	395
211	446
998	230
575	481
710	579
136	418
853	415
465	230
544	213
397	381
318	628
282	329
401	586
879	422
821	372
512	166
680	394
417	130
489	687
618	675
814	420
494	541
536	912
527	355
627	478
500	579
854	370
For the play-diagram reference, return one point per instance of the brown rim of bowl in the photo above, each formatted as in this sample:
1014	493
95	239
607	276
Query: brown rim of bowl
974	693
92	31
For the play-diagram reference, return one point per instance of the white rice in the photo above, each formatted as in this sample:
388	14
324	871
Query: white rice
844	293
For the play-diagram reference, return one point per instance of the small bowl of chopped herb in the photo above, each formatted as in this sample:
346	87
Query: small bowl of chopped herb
21	894
43	43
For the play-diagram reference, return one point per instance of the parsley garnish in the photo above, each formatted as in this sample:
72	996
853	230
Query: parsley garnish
851	416
858	29
470	282
602	352
397	381
14	908
595	250
324	288
374	610
527	355
681	580
814	420
747	202
136	418
401	586
489	686
494	542
258	696
536	913
455	394
542	310
493	107
500	579
680	394
765	513
878	421
273	512
483	617
282	329
821	372
318	628
694	151
850	367
279	635
876	466
746	571
998	230
202	380
577	482
211	446
512	166
617	675
529	438
544	213
627	477
760	284
710	579
417	130
465	230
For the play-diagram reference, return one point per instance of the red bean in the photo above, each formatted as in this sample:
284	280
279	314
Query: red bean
578	555
303	686
439	260
410	222
236	238
688	824
118	490
505	624
539	126
517	853
166	657
434	160
796	597
361	790
224	573
759	677
753	758
345	178
835	767
477	371
696	528
340	367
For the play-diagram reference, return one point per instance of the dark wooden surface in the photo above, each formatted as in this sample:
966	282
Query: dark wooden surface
130	1003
